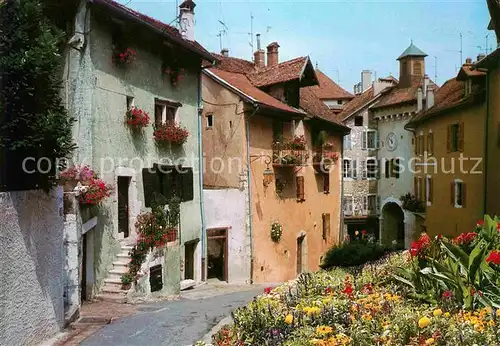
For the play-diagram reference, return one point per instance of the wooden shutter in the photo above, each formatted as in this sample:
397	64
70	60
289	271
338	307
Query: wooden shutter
377	141
415	140
415	186
326	226
167	183
448	139
364	169
364	140
365	202
354	164
300	188
461	137
326	182
187	179
430	143
396	169
387	168
431	187
452	195
151	185
464	195
425	141
379	168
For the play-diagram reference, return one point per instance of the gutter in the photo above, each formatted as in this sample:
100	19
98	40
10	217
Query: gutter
249	176
202	203
178	40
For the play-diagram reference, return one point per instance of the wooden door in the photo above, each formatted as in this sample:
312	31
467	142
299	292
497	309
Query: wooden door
123	205
189	249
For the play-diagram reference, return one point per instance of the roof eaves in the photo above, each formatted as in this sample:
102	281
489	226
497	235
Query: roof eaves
303	70
489	60
180	41
366	104
223	82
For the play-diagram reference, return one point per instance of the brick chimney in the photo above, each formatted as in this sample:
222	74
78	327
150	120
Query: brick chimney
259	57
272	54
366	79
468	61
224	52
187	19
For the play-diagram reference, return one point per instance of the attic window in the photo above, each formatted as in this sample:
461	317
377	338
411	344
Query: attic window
210	120
358	120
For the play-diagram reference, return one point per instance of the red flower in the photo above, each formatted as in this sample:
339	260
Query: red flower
348	290
498	226
447	294
328	290
465	238
268	290
494	257
363	232
480	223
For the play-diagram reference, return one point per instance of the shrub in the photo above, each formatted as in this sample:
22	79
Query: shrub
354	253
411	203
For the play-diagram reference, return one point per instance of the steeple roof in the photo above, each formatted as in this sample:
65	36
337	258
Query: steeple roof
412	50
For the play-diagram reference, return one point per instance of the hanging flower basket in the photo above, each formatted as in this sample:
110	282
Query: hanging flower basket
123	57
171	133
70	177
94	193
137	118
276	232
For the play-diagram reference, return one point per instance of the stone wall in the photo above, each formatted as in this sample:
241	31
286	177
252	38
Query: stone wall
31	266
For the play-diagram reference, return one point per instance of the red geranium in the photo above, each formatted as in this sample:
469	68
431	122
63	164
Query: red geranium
123	57
447	295
494	257
172	133
268	290
465	238
348	289
137	117
418	247
95	193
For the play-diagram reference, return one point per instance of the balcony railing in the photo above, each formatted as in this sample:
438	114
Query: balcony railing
290	157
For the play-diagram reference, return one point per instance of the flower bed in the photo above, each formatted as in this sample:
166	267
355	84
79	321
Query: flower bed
371	306
171	133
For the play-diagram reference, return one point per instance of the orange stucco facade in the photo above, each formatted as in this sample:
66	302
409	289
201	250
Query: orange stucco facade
493	156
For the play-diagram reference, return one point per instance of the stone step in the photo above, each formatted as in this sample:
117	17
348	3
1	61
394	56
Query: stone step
113	285
113	289
112	298
121	263
119	271
127	248
123	256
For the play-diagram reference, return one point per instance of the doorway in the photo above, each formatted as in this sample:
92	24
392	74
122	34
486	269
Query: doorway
83	282
217	255
189	251
393	225
123	208
300	254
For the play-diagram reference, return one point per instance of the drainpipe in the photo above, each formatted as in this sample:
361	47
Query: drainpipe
250	225
485	175
341	229
200	156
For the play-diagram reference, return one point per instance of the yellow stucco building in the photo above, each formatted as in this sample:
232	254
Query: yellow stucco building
449	152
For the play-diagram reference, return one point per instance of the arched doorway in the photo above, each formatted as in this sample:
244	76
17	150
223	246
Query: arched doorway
393	224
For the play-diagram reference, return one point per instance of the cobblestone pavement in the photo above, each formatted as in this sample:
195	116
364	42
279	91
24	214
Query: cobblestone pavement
174	323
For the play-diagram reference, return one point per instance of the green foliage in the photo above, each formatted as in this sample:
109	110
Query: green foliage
353	253
127	279
33	119
411	203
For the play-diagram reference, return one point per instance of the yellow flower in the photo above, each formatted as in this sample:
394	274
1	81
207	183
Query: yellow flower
430	341
324	330
367	317
447	314
437	312
356	233
424	322
288	319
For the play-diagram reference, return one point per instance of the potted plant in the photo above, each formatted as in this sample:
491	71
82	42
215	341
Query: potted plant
171	133
276	231
123	57
94	193
70	177
126	280
137	118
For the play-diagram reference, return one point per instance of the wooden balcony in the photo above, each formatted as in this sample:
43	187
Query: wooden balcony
290	157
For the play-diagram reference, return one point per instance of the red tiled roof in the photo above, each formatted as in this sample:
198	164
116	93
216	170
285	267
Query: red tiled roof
328	89
167	30
241	82
356	103
235	65
451	94
401	95
311	103
283	72
468	71
389	78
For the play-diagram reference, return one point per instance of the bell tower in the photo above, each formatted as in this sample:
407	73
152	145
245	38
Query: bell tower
411	64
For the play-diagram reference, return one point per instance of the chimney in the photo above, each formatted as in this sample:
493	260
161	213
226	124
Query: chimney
258	56
420	100
272	54
187	19
426	83
480	56
429	99
366	79
468	61
224	52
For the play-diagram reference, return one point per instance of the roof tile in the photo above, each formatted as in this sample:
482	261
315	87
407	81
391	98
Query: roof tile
328	89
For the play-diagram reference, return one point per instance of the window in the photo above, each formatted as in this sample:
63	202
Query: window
370	204
130	102
339	102
358	120
326	183
428	190
347	142
230	124
347	205
165	181
347	168
300	189
468	87
458	196
455	137
417	68
278	130
370	140
326	226
210	120
420	146
395	168
418	188
165	112
371	168
430	143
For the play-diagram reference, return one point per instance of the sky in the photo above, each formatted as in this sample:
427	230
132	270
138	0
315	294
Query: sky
342	37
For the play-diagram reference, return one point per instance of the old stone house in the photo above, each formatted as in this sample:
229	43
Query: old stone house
454	126
99	92
257	184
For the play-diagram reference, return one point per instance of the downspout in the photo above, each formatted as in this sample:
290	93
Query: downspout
341	229
250	225
200	157
485	181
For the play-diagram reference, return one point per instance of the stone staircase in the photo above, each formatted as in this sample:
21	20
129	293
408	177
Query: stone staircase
112	289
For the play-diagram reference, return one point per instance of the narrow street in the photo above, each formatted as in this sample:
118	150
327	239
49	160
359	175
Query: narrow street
175	323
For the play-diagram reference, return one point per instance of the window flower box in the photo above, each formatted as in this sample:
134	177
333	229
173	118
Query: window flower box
175	74
290	153
137	118
123	57
171	235
70	177
171	133
94	193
